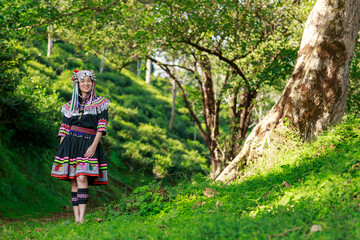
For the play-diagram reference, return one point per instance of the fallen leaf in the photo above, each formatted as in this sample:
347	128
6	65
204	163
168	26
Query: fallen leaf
264	195
209	192
162	226
164	194
218	204
198	204
285	184
35	220
283	233
98	219
65	207
356	167
316	228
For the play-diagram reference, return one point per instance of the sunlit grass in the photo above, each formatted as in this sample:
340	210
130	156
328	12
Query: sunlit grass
308	191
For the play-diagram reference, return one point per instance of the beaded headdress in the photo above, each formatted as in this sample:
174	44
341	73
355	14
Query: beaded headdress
77	77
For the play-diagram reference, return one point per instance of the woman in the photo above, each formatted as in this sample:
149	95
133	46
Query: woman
80	157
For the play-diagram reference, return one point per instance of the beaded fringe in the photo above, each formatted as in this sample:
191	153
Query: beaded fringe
87	110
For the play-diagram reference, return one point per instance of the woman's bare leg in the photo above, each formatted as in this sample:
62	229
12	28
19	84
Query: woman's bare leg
83	195
74	189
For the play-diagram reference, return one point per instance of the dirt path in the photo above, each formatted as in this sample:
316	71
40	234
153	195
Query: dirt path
65	214
50	217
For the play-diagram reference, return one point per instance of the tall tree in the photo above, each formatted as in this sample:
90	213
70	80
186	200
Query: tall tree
241	35
315	95
246	36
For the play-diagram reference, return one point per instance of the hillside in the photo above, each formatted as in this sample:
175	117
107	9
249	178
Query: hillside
139	147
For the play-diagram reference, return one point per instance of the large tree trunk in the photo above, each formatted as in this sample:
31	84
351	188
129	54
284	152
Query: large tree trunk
315	95
211	115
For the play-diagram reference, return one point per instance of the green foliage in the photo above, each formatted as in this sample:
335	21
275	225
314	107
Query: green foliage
282	196
353	101
260	38
137	141
145	200
24	190
150	146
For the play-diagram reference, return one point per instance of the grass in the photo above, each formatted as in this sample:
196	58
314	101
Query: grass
306	191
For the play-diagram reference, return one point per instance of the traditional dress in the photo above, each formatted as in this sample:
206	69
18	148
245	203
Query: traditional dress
79	126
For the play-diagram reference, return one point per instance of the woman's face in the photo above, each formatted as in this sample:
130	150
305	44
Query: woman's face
85	85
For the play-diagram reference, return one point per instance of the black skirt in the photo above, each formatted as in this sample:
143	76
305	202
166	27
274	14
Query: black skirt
70	161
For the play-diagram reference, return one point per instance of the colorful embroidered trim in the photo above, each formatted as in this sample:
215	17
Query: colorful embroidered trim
98	181
83	130
102	125
64	130
76	161
83	195
66	177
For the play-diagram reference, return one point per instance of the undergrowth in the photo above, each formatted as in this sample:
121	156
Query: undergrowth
308	191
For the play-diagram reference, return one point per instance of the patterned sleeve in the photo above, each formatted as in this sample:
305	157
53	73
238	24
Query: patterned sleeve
64	127
103	122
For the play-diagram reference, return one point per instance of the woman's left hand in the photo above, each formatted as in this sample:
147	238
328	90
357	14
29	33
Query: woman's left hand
90	151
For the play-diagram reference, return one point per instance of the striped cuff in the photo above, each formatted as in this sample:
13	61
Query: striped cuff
64	130
102	126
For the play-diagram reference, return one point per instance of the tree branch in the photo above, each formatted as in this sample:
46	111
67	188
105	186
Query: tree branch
96	9
250	51
199	82
179	66
193	115
221	57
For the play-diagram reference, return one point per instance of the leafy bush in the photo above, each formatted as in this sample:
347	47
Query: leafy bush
145	200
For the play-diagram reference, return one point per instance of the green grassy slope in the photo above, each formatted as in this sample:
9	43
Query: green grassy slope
138	144
304	191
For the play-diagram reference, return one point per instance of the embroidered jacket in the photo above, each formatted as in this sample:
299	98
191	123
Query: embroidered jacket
94	116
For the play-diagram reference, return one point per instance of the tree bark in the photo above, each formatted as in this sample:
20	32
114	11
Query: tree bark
50	40
103	61
240	114
315	95
173	93
138	67
211	115
148	71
